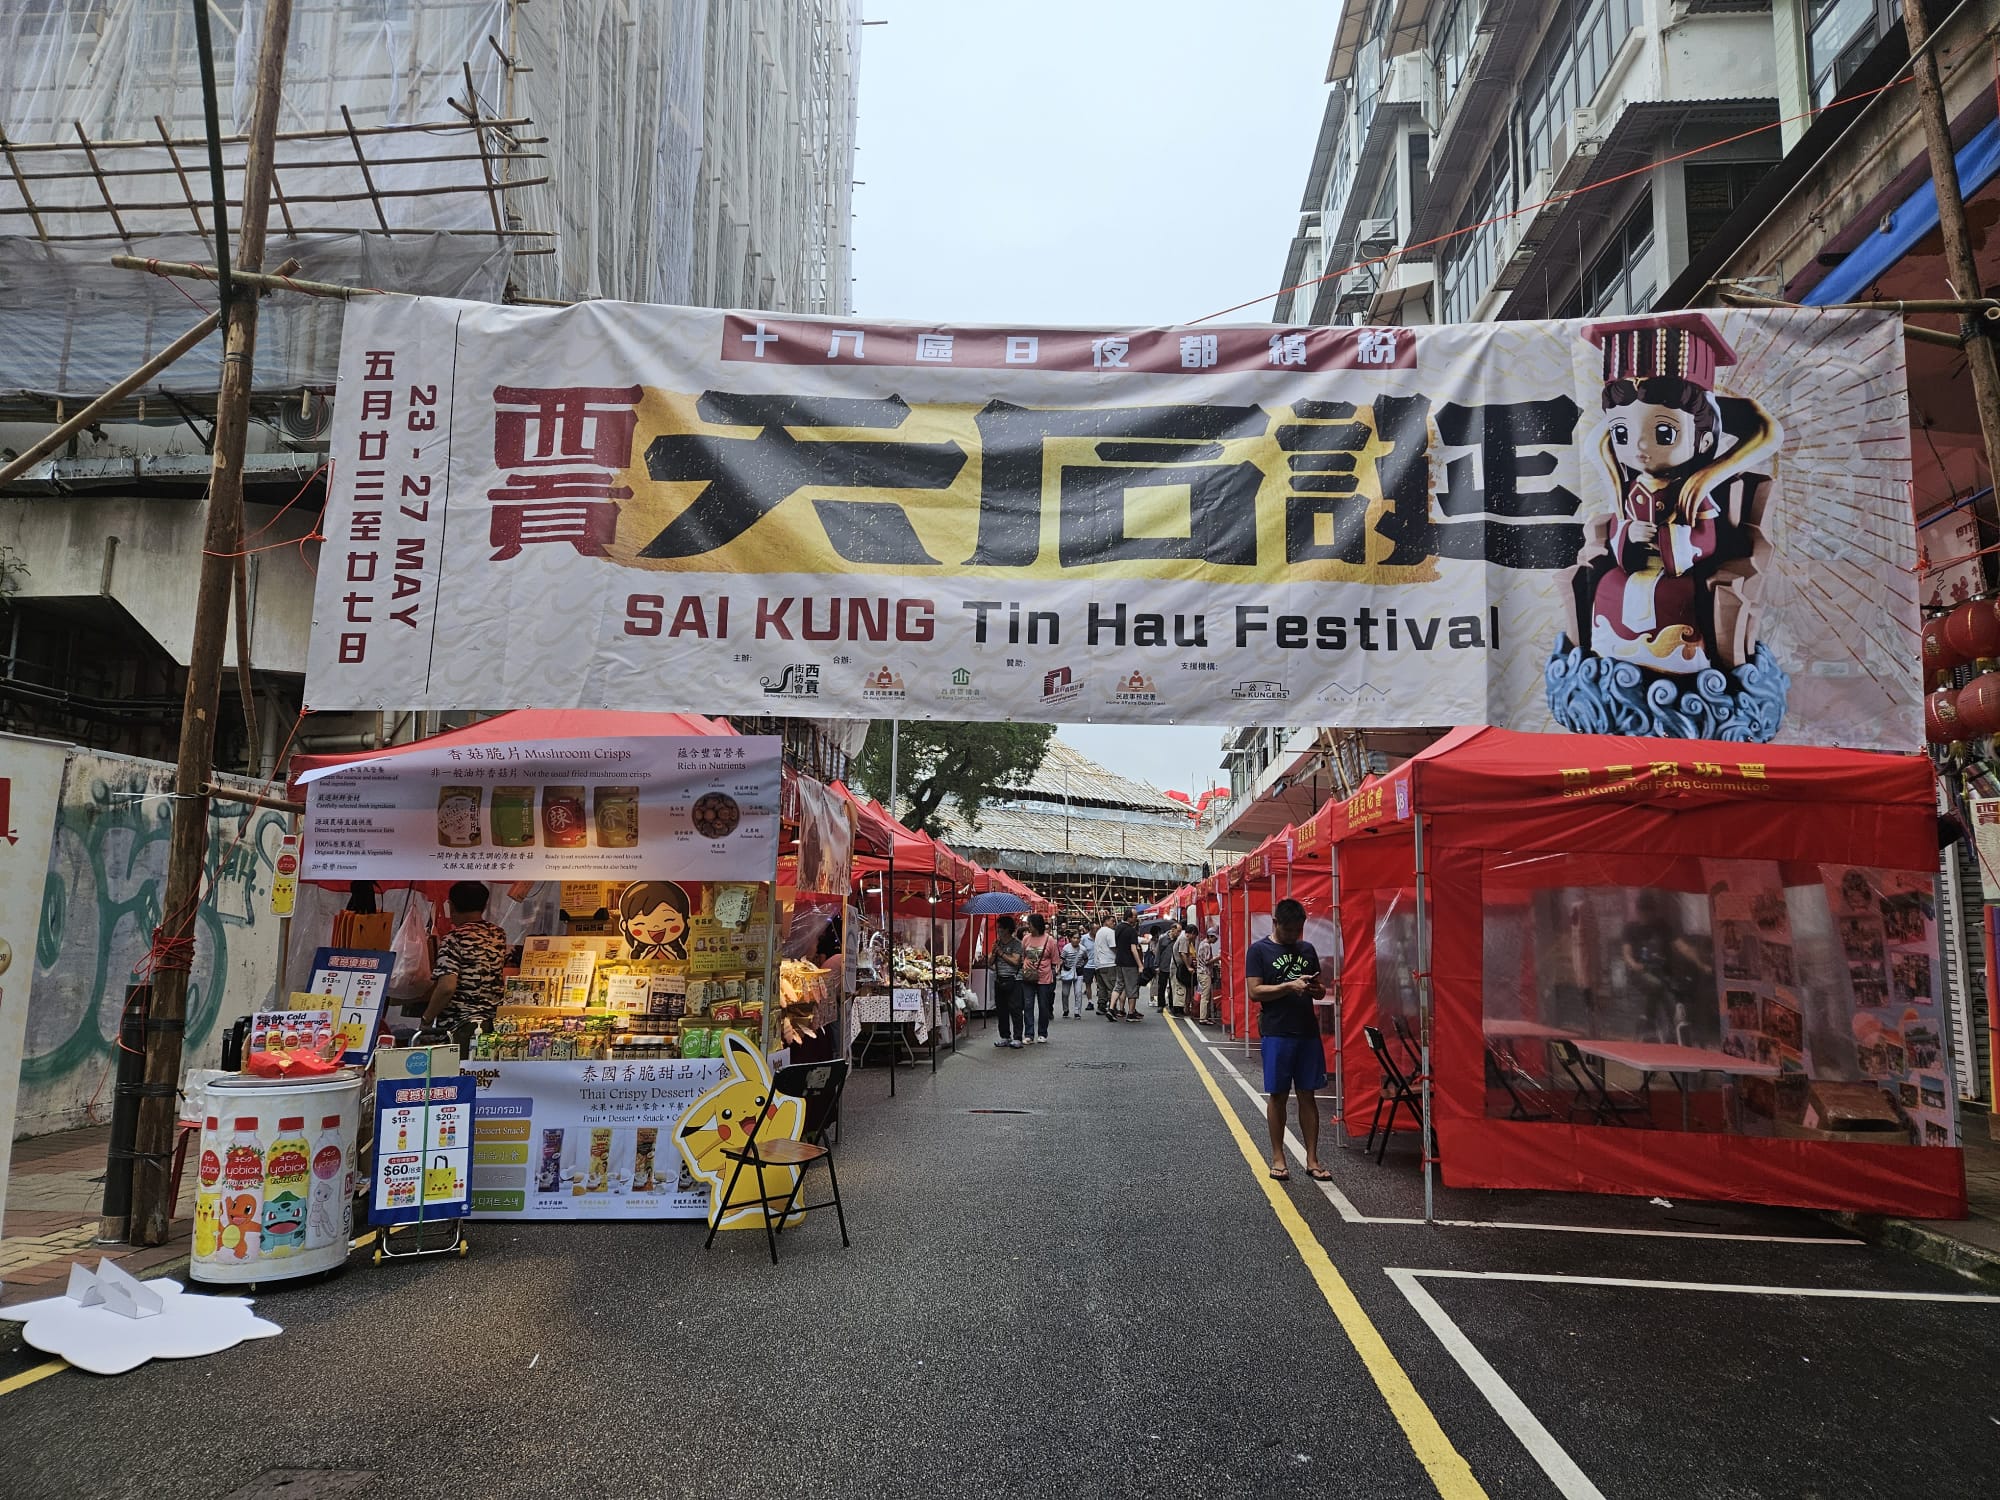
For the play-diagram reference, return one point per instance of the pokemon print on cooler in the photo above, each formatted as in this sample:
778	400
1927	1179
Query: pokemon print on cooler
719	1120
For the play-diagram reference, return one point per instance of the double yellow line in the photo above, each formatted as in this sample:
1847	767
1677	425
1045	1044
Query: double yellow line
1445	1465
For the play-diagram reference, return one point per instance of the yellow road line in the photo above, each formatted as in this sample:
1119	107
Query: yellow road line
29	1377
1445	1465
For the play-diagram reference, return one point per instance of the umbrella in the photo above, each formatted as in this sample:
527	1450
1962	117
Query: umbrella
994	903
1159	925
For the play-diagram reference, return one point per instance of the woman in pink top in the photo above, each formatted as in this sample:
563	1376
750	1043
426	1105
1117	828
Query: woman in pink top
1040	954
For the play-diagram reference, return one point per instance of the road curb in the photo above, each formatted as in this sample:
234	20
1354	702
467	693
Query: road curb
1925	1243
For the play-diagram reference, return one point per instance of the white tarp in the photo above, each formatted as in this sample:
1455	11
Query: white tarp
1694	525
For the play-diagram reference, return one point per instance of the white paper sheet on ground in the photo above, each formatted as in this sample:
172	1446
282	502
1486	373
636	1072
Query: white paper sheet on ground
105	1342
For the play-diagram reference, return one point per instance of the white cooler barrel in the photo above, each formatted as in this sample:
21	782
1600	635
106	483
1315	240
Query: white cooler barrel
274	1184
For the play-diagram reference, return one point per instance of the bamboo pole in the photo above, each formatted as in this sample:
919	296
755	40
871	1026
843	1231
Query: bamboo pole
1963	268
89	413
252	799
1914	331
275	281
173	944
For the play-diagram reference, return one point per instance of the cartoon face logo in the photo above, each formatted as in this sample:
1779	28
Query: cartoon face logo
660	925
1656	440
719	1122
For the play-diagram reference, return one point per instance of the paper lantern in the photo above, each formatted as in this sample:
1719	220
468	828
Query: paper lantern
1938	655
1972	631
1978	707
1941	725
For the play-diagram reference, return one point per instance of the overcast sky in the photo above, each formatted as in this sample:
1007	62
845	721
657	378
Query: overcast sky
1089	161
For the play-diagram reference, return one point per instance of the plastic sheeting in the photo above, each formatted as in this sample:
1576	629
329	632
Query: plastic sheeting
115	320
697	151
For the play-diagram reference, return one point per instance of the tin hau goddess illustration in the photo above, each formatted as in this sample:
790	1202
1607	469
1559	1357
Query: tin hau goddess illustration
1665	597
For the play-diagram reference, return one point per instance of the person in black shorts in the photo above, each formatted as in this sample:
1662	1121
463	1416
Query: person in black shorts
1284	980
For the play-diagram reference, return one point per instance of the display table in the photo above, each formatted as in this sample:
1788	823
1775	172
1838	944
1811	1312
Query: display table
1681	1064
586	1140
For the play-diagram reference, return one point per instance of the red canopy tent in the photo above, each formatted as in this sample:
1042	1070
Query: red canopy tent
1488	891
530	724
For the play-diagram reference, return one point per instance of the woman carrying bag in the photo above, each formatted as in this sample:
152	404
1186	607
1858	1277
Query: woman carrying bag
1040	954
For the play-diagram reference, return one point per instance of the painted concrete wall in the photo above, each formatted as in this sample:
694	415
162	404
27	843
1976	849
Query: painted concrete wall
102	899
145	555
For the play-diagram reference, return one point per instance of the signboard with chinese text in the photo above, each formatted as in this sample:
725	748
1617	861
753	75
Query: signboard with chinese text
358	979
423	1149
586	1140
1693	525
703	807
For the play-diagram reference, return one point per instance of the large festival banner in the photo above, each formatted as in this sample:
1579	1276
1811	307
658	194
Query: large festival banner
1689	525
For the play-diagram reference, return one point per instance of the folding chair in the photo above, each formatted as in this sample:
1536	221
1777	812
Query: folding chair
819	1085
1499	1070
1591	1094
1416	1058
1397	1092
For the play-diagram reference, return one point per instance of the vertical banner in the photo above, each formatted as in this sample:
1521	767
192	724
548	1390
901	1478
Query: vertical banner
1690	525
31	774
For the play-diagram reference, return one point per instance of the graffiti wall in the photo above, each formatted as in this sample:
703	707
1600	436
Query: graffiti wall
101	901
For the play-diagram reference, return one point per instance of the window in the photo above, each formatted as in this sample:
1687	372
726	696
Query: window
1472	259
1712	191
1839	35
1620	280
1571	64
1451	49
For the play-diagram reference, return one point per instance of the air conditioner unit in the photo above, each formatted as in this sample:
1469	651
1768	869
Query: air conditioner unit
305	423
1373	237
1574	149
1409	82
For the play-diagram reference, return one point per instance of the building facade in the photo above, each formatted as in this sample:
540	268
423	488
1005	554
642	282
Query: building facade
684	151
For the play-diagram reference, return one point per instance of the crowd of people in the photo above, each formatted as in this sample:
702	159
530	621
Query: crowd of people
1110	966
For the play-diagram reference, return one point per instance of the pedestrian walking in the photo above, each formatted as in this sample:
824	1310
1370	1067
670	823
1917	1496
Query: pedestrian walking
1125	960
1205	959
1007	984
1282	974
1104	943
1184	971
1068	975
1039	958
1086	966
1163	969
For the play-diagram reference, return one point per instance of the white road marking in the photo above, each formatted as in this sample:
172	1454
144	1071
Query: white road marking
1570	1481
1860	1293
1345	1207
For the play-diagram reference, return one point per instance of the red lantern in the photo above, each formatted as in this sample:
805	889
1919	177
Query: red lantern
1978	706
1972	630
1941	724
1938	655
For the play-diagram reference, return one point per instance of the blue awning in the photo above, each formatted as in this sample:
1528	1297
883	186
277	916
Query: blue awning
1912	219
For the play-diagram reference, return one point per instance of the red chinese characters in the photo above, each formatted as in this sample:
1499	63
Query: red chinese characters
561	450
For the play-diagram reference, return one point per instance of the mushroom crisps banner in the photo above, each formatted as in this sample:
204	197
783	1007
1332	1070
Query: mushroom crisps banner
1690	525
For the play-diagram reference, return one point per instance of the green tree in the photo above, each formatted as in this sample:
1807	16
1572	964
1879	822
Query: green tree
968	763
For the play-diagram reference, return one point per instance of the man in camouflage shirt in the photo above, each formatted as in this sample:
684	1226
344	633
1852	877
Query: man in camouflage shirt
470	967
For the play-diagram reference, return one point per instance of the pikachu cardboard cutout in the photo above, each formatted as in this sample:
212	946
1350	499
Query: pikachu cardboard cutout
719	1120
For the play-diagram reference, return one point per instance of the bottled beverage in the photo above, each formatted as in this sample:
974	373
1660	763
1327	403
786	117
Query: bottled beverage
328	1214
208	1193
287	1182
243	1191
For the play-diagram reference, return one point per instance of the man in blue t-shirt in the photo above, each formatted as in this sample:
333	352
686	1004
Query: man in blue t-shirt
1283	975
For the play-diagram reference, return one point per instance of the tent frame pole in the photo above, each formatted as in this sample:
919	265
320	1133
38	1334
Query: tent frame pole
1423	978
1339	993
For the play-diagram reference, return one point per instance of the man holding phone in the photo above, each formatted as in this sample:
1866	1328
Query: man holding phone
1284	981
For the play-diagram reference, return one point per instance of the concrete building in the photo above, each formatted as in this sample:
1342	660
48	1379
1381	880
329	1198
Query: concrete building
1491	159
1455	129
1850	214
686	151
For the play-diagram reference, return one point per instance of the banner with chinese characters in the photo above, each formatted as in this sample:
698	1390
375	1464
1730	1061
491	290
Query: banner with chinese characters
1686	525
699	807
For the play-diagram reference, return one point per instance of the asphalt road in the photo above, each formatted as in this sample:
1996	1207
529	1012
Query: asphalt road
1066	1279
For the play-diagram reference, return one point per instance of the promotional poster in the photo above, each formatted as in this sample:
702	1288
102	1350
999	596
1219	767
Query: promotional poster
1694	524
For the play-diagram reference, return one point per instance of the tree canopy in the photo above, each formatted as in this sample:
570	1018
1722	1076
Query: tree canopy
969	763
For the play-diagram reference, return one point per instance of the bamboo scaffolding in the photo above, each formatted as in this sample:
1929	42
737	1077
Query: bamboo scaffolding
270	281
1985	307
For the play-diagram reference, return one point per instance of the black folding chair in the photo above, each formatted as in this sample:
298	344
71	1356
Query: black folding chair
1398	1092
1592	1097
1499	1069
819	1085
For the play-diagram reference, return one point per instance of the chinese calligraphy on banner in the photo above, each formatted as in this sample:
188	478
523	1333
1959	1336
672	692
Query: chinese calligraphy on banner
704	807
1693	525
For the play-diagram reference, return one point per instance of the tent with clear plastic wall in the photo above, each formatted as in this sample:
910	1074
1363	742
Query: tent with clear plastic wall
1656	967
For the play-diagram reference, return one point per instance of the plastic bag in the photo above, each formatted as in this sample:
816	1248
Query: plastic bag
411	979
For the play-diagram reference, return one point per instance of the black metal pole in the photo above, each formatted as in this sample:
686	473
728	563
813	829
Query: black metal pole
115	1218
217	187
